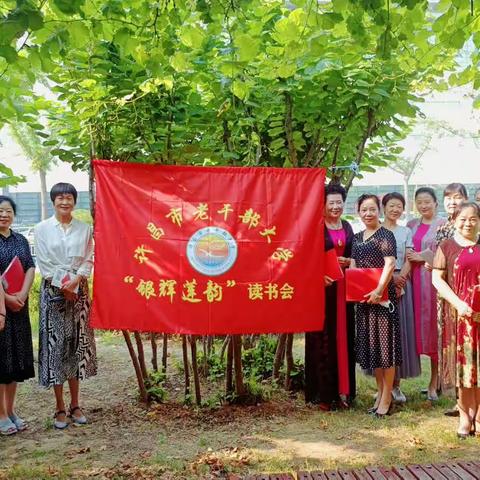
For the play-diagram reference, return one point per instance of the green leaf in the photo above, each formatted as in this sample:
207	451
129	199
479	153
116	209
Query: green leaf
247	47
8	53
192	37
69	7
339	6
12	27
286	31
179	62
35	20
286	70
458	39
79	33
125	39
240	89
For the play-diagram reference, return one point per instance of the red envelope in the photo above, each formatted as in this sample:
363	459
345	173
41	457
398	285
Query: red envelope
332	267
475	302
13	276
360	281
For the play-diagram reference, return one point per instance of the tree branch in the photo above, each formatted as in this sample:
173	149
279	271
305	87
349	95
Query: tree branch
361	146
292	152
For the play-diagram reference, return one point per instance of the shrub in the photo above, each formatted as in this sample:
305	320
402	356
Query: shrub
258	361
154	384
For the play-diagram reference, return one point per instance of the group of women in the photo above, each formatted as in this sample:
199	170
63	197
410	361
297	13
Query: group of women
64	249
430	269
386	338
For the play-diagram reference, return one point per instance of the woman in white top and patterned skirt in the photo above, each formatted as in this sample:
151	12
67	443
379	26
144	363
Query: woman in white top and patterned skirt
64	250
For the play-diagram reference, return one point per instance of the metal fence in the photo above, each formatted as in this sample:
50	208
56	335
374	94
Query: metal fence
29	211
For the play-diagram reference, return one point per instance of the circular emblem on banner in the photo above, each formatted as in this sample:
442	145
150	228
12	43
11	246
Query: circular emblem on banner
212	251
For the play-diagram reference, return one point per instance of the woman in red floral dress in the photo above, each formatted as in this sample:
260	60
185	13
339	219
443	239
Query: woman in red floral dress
456	273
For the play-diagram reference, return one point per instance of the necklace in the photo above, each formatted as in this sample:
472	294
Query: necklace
336	227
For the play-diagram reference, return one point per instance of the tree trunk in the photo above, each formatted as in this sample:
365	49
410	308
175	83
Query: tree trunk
153	342
279	355
196	377
164	353
240	389
141	354
289	358
43	193
91	189
229	369
136	366
205	355
185	366
210	345
407	199
225	344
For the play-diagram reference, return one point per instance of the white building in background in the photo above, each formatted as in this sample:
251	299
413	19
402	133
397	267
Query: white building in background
451	158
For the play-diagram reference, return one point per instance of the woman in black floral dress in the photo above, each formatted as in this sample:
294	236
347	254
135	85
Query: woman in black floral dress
378	340
16	352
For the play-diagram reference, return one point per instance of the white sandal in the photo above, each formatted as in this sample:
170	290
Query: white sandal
18	422
58	424
7	427
81	420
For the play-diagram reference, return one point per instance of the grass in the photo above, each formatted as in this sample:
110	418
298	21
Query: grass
173	441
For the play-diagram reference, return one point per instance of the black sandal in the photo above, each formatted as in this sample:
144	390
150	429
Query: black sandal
59	425
81	420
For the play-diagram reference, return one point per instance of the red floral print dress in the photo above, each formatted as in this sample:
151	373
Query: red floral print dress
462	266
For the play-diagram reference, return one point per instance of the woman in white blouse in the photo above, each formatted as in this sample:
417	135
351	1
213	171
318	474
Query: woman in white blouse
64	250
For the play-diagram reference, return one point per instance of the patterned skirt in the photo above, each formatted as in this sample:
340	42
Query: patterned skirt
66	342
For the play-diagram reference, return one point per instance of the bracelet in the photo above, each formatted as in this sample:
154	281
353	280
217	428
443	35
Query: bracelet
2	315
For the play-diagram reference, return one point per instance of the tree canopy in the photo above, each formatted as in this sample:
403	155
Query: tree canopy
240	82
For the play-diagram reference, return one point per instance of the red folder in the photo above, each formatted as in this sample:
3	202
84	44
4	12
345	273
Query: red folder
475	302
360	281
13	276
332	267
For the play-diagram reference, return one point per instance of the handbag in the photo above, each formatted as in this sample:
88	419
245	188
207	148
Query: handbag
360	281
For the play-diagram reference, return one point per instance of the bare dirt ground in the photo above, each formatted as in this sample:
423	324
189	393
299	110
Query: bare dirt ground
172	441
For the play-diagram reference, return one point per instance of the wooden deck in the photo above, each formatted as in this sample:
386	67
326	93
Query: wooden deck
467	470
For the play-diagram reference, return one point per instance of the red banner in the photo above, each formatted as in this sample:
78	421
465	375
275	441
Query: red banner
208	250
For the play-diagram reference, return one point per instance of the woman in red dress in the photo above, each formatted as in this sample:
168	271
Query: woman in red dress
456	273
